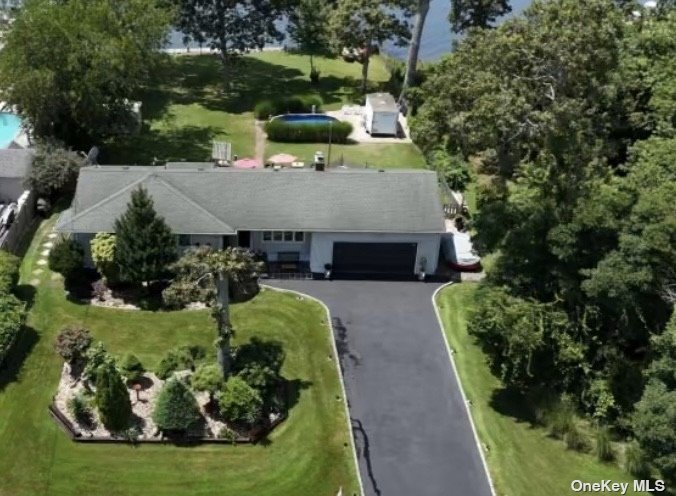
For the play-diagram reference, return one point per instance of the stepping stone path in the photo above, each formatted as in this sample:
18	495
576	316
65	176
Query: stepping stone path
37	272
35	282
48	244
42	261
52	235
45	252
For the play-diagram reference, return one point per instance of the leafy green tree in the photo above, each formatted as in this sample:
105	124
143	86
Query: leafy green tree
367	24
144	246
307	28
654	425
103	255
72	344
259	363
66	257
72	66
239	402
112	398
451	168
54	169
232	27
12	318
466	14
176	408
208	377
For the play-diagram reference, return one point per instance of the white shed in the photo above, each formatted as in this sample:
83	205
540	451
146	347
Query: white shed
381	114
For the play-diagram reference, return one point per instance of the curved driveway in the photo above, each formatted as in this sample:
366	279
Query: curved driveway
411	429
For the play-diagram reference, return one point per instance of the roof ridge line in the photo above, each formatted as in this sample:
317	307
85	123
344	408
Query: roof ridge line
107	199
193	202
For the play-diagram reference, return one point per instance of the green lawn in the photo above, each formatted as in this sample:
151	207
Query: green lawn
397	156
188	105
309	454
523	460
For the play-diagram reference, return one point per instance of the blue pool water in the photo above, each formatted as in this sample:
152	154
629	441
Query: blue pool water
9	128
306	118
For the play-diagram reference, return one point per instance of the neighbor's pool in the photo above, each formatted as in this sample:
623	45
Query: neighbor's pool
306	118
10	124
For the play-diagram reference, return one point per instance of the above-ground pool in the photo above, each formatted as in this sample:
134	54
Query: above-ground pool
306	118
10	124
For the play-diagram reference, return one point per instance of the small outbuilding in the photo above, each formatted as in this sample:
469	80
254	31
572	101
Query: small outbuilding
381	114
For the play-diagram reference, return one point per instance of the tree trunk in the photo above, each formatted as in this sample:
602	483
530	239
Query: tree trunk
223	353
365	69
225	62
414	47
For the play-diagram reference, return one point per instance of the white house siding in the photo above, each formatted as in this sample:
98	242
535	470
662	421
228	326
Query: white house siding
322	247
272	248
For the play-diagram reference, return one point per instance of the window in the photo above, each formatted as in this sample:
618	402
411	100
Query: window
184	240
283	236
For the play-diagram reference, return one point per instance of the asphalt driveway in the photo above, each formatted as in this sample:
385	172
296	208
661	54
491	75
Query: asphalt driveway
412	433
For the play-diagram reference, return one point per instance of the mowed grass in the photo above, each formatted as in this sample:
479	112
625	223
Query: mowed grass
188	106
523	459
309	454
376	156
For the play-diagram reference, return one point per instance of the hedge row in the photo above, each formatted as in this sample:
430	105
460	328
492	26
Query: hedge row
287	105
294	132
12	311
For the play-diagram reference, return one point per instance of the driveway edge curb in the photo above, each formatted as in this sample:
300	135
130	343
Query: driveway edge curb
460	386
340	374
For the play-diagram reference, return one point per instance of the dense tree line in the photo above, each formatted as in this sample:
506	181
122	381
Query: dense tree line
569	112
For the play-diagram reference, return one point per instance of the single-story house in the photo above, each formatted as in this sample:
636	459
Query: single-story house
357	221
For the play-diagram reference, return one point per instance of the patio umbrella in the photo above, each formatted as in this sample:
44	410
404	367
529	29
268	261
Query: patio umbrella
283	159
247	163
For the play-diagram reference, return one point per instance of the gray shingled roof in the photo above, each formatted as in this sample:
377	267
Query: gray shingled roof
15	163
219	201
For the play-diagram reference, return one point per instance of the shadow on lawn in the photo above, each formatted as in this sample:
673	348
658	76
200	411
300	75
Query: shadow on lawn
514	404
10	370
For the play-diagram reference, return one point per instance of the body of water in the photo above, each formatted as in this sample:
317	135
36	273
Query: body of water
437	37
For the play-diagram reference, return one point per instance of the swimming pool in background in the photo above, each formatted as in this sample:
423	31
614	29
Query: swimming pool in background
10	125
305	118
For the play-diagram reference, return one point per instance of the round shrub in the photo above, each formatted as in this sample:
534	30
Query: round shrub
293	132
239	402
12	317
208	377
636	462
575	439
72	344
103	255
131	367
263	110
96	356
78	407
176	408
66	257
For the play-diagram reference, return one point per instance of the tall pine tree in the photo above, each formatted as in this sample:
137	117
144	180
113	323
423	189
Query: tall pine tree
145	245
112	398
176	408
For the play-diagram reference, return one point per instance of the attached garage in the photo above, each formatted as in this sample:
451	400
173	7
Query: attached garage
374	258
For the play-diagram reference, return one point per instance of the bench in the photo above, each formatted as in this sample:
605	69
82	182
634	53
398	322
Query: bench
288	260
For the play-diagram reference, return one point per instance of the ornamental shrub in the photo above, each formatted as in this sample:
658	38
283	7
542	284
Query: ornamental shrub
635	461
95	357
180	358
297	104
78	407
112	398
103	255
239	402
12	317
176	408
72	343
9	271
294	132
208	377
604	446
131	367
66	257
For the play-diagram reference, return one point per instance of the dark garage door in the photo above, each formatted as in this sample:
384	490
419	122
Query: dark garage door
374	258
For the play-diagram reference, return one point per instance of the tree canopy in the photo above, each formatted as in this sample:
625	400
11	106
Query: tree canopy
466	14
568	113
72	66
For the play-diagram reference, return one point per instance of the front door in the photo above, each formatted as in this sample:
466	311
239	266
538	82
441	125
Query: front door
244	239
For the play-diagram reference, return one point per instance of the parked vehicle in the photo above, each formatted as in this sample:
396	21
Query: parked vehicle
459	253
